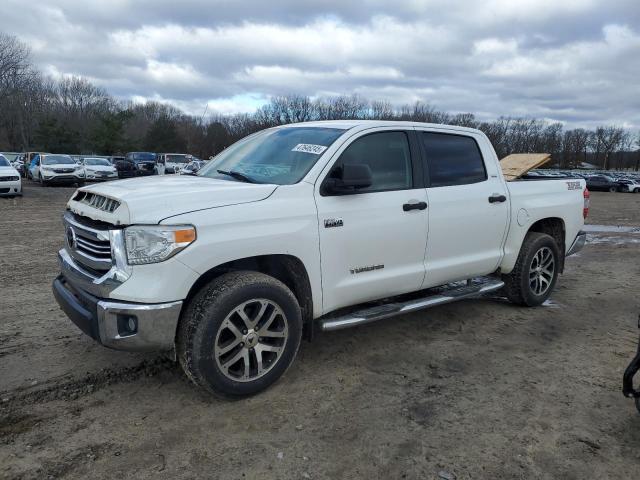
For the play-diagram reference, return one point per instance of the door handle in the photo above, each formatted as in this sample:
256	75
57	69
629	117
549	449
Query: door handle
414	206
495	198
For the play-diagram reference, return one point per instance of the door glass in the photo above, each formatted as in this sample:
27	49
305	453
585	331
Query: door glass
386	154
453	159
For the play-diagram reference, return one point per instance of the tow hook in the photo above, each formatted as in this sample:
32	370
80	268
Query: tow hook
627	380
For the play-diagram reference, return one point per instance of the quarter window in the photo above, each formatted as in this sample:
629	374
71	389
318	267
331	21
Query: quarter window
387	155
453	159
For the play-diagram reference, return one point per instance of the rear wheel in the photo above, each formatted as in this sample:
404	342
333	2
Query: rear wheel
536	271
239	334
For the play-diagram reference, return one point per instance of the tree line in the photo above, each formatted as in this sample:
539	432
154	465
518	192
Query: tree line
72	115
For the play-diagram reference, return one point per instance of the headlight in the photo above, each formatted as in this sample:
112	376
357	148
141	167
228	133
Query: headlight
46	169
156	243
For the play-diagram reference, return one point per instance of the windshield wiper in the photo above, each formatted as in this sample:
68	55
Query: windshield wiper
238	176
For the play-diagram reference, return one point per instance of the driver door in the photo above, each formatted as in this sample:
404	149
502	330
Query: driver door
373	240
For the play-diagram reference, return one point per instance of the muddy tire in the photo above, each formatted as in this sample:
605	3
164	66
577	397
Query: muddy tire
239	334
536	271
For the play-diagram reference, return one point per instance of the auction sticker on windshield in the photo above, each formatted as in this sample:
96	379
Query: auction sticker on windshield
309	148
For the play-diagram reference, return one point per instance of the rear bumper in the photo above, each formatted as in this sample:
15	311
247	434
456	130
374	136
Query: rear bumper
119	325
578	243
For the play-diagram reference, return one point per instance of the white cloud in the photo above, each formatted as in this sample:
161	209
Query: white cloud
576	61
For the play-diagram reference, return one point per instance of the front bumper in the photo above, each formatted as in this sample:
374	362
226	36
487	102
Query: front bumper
119	325
578	243
13	187
96	177
62	177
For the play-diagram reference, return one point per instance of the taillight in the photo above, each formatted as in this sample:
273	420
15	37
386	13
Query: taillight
585	209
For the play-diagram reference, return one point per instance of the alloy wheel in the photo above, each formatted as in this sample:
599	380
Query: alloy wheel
251	340
541	271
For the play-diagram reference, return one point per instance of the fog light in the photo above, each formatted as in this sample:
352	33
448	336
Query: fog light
127	325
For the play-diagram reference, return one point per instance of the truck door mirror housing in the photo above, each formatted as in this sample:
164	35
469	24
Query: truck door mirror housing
347	179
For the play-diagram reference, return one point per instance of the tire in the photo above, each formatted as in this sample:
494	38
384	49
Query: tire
521	287
636	190
43	182
212	335
613	189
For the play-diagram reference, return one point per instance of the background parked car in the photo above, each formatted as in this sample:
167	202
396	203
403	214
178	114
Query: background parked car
603	183
174	162
98	169
26	159
192	167
630	185
49	168
10	183
137	164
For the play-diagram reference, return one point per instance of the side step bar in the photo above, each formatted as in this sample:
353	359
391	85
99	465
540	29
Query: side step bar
470	289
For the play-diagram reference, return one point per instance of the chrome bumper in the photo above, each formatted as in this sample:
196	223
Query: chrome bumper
578	243
115	324
155	325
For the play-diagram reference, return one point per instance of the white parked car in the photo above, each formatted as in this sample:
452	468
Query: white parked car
10	183
630	185
98	169
321	225
173	162
48	168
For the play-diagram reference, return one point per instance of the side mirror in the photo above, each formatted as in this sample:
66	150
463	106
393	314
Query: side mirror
348	179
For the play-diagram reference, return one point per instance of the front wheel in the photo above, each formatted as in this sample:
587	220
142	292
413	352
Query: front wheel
613	189
536	271
239	334
636	190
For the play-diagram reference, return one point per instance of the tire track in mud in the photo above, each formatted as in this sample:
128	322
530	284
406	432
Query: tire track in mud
87	385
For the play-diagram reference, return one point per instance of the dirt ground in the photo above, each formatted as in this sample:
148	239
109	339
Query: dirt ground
479	389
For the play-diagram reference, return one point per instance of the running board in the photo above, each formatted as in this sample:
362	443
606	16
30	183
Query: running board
471	289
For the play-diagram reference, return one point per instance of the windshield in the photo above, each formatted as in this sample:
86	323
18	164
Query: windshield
4	162
57	160
177	158
144	157
96	161
281	156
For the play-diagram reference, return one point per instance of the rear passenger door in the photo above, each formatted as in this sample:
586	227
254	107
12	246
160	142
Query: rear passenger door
372	241
468	207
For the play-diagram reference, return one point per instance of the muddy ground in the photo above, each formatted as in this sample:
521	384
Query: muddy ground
479	389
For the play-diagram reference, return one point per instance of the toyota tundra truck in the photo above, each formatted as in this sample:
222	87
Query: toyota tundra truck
303	228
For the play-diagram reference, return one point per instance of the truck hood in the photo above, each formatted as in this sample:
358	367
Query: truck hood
152	199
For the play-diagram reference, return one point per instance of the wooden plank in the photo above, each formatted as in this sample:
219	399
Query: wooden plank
517	164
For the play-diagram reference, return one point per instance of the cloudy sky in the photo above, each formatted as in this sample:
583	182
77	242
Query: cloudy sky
575	61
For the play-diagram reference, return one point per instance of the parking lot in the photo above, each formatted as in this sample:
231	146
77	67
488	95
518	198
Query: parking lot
478	389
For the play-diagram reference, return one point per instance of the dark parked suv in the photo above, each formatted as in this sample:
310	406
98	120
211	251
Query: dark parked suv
603	183
136	164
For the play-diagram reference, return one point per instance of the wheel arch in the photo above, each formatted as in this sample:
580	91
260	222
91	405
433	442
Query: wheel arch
555	228
288	269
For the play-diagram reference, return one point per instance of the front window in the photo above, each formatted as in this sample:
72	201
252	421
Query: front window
96	161
281	156
57	160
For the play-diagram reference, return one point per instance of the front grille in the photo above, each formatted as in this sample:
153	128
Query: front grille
99	202
4	190
63	170
94	248
90	247
9	179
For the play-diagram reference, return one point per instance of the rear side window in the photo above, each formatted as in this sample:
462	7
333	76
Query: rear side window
388	157
453	159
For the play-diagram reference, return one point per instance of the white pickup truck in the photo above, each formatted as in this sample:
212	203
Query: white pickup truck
306	227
